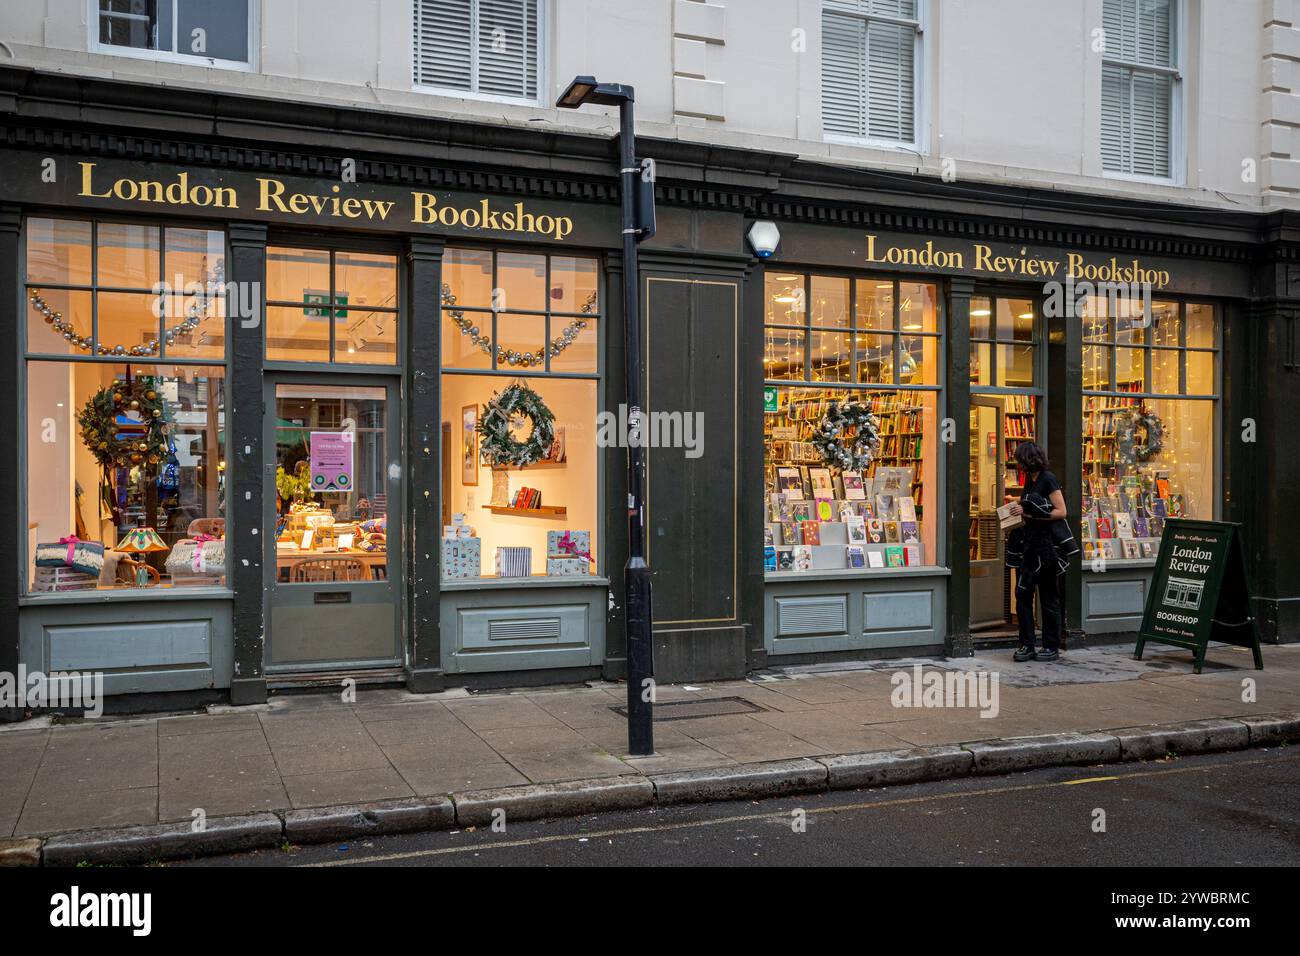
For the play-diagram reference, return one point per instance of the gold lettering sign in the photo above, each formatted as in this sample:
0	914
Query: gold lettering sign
1073	266
274	196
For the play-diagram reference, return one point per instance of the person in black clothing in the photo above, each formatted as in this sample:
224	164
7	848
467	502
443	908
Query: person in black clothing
1041	504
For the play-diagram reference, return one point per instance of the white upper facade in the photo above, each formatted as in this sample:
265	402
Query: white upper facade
1191	101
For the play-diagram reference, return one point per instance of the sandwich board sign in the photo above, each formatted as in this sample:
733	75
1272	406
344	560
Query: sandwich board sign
1199	593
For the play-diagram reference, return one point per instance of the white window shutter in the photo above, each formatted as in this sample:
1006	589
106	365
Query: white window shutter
890	54
479	46
869	72
1137	103
844	76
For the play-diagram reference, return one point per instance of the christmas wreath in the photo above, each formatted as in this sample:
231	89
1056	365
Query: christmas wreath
507	408
848	436
1134	421
123	425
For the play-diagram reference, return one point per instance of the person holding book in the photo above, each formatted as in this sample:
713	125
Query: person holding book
1039	550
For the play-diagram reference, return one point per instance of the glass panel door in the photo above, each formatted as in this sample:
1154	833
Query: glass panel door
986	492
335	507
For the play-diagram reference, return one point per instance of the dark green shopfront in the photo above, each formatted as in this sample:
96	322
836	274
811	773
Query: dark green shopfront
206	329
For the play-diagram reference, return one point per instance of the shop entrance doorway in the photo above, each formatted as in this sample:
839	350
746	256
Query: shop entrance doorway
334	504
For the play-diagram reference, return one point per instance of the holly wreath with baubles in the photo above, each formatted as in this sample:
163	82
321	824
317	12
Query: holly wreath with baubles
829	438
118	444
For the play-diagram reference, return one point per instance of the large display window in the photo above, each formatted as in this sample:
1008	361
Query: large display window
521	370
125	390
835	340
1150	379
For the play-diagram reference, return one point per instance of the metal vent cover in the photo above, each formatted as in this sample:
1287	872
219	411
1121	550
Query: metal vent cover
525	629
820	615
689	709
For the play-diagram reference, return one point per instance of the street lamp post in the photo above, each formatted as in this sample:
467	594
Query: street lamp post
636	573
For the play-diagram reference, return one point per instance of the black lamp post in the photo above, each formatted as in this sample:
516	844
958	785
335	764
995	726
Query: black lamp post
636	573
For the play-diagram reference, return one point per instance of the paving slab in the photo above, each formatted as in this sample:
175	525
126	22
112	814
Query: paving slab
347	786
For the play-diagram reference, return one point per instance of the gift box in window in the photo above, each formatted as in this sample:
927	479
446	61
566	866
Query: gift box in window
85	557
568	552
461	558
197	560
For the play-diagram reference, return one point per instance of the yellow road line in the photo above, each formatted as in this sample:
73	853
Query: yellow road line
770	815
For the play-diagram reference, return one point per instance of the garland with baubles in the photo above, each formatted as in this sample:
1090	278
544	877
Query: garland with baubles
505	356
195	315
1128	424
119	444
499	447
848	436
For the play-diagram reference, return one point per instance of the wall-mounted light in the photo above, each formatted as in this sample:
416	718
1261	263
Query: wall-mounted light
764	237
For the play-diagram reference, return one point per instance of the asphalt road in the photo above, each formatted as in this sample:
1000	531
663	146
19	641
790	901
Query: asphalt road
1218	810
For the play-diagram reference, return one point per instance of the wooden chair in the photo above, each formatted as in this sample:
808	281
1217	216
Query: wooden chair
330	569
213	526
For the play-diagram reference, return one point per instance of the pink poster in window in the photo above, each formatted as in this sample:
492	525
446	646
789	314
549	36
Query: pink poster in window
331	461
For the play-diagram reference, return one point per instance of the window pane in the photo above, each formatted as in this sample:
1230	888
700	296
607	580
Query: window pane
1130	370
468	274
566	479
128	256
785	299
520	339
1130	323
298	333
580	354
362	279
367	338
830	302
132	23
127	321
193	257
1015	320
297	275
1164	324
832	357
918	309
1164	371
357	501
886	517
1096	367
1200	327
1096	325
1016	366
58	251
876	359
783	354
207	338
71	310
466	338
574	285
224	24
981	318
981	363
1200	373
522	282
875	305
169	486
919	362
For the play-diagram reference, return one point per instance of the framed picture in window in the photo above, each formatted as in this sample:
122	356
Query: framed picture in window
469	445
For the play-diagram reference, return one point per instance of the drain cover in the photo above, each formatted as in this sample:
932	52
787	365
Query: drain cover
687	709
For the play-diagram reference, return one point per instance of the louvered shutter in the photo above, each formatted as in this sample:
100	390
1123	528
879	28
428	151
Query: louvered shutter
479	46
1137	104
869	71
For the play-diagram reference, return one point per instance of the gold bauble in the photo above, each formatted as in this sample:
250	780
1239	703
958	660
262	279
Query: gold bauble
151	395
117	396
136	459
135	403
157	413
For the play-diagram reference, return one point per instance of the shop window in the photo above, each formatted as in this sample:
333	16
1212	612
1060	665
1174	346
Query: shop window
873	341
331	306
1003	343
870	50
125	475
114	290
1139	85
210	32
529	319
1148	422
488	47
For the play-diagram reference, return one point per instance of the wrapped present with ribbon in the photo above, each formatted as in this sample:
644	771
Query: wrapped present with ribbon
568	552
201	554
71	552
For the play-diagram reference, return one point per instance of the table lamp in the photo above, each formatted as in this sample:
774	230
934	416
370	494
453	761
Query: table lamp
141	541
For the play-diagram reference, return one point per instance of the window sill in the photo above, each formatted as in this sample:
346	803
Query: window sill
533	581
848	574
128	595
1120	564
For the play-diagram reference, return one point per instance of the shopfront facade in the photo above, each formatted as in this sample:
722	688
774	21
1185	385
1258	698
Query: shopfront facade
322	313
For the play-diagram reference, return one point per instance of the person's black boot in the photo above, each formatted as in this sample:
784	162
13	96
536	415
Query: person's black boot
1023	654
1046	655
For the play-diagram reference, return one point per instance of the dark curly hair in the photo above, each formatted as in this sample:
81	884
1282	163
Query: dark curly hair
1031	457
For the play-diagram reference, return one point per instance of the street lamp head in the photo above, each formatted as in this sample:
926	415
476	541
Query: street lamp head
577	92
